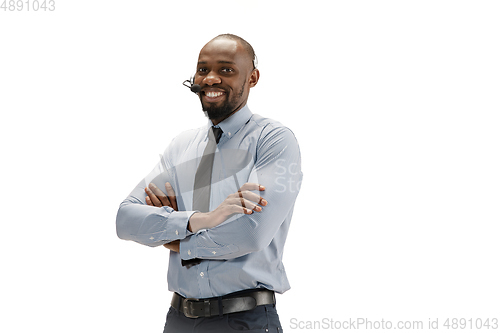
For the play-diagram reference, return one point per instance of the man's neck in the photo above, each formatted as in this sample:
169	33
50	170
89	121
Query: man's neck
219	120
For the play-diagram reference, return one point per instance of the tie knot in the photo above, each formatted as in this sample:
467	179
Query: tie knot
217	133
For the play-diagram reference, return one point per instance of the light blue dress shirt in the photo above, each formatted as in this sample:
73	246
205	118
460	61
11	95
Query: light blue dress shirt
245	251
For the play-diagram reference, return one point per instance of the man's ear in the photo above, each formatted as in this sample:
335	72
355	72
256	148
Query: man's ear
254	78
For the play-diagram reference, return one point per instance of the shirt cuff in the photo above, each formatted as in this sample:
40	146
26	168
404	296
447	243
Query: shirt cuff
188	248
201	246
177	224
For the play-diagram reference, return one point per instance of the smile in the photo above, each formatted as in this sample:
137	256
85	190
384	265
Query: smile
214	94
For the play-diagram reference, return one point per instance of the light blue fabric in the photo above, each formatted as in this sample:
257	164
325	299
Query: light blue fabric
245	251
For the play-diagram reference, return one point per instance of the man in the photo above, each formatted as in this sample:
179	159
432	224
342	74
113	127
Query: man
226	240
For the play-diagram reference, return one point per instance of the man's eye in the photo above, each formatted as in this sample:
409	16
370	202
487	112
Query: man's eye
227	70
202	70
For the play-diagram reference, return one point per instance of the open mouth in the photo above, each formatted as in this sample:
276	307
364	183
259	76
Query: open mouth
213	96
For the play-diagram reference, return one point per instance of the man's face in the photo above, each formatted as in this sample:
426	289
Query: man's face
225	74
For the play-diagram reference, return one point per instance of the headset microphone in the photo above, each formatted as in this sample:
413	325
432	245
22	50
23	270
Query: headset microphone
196	88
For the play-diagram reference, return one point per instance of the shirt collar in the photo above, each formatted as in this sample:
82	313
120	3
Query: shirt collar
235	122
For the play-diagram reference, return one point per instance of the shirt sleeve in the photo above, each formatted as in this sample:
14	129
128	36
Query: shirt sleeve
278	168
149	225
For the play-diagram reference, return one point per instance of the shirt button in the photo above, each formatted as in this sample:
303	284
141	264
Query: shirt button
177	232
189	252
202	274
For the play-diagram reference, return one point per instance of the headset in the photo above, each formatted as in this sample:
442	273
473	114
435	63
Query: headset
190	84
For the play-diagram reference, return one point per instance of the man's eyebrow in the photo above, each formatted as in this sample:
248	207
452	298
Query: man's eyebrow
219	62
226	62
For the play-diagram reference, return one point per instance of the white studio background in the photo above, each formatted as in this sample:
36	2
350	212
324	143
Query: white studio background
396	108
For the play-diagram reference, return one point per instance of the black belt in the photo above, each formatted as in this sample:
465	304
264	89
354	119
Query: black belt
236	302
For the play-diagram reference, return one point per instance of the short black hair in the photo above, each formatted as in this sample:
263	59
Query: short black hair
246	45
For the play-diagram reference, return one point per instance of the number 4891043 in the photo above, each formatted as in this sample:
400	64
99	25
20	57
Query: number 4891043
27	5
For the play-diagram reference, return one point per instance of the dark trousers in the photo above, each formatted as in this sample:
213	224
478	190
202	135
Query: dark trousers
262	319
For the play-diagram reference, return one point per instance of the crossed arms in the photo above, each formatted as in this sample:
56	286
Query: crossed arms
151	217
244	201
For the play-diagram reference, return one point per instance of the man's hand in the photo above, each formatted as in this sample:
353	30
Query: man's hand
244	201
173	246
155	197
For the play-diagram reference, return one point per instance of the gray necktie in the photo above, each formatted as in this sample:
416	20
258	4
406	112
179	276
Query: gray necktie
202	181
203	177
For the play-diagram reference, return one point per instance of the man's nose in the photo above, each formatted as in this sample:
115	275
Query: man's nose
211	79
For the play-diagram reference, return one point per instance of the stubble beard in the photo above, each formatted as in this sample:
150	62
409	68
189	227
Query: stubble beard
213	111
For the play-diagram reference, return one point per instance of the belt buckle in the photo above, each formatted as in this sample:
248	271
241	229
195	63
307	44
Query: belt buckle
188	307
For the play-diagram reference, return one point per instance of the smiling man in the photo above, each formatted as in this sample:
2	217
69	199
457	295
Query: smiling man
232	62
226	240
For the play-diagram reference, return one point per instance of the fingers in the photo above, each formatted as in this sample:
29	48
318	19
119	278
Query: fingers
248	206
171	195
252	197
239	203
245	201
245	192
252	187
248	200
156	196
152	199
241	199
236	206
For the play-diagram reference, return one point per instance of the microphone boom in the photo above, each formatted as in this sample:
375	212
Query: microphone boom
196	88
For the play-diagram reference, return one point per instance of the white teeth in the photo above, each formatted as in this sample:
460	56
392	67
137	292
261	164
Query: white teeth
213	94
